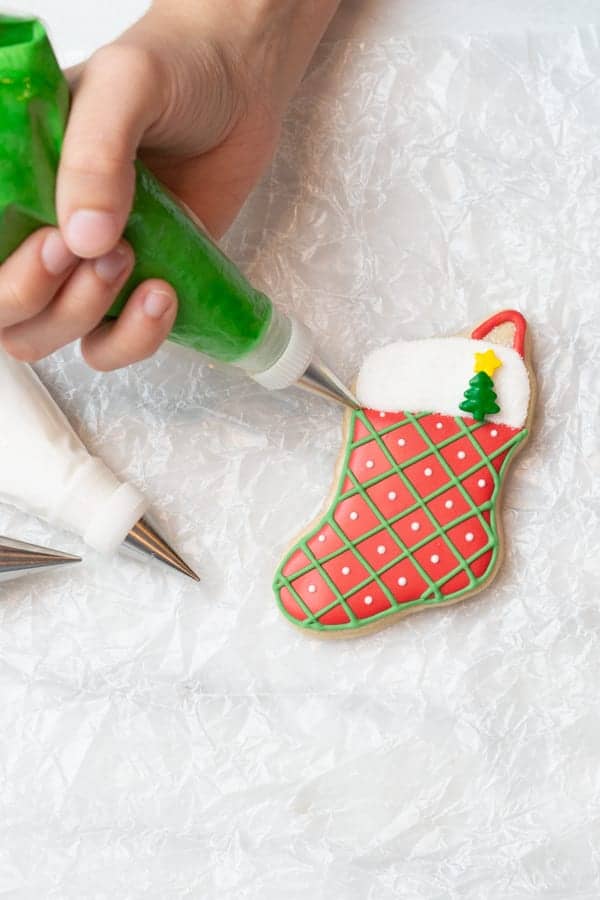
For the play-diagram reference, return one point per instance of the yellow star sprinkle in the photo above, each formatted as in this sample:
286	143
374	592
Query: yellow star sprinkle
487	362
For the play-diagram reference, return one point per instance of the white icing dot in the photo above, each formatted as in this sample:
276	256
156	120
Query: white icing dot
392	495
369	464
414	526
381	549
481	483
434	558
469	536
402	581
368	600
461	454
354	516
494	432
346	570
401	442
428	472
382	415
449	504
322	538
312	589
439	425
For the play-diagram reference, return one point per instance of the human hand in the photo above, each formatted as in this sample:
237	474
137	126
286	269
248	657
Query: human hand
197	90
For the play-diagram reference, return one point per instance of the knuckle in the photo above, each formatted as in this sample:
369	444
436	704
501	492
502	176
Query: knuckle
20	304
20	348
130	61
98	157
96	357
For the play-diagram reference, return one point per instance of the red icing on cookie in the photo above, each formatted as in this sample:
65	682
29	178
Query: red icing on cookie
380	549
427	475
404	581
439	428
491	437
424	544
468	537
324	542
368	602
501	318
355	517
298	560
414	528
368	461
448	506
291	606
413	520
335	616
314	591
390	496
346	571
456	583
436	558
403	443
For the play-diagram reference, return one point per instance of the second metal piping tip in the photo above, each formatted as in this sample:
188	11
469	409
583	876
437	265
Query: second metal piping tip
321	380
18	558
145	540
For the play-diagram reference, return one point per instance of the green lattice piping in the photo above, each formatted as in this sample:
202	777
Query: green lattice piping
432	594
313	620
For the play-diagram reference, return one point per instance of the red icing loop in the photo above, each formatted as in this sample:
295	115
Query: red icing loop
501	318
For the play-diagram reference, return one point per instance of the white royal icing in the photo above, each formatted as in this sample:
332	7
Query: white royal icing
432	375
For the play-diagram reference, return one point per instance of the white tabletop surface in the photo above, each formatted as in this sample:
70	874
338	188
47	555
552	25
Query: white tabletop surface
162	740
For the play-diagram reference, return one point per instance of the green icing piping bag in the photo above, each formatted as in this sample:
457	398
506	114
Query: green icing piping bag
220	313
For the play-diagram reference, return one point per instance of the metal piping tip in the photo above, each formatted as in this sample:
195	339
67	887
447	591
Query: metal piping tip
145	540
319	379
18	558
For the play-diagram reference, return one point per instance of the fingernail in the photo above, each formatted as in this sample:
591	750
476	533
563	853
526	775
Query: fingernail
109	267
156	303
89	232
56	256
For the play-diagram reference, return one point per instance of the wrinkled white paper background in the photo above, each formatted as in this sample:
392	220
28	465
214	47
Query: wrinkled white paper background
163	740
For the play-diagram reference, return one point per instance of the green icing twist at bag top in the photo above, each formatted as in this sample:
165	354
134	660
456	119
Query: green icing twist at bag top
220	313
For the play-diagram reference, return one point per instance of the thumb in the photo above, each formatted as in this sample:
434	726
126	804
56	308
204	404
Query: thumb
115	100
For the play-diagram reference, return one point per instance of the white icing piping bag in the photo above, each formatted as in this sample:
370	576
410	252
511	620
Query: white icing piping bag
46	470
18	559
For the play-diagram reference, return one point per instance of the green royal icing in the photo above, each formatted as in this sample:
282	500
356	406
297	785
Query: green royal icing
432	595
219	312
480	397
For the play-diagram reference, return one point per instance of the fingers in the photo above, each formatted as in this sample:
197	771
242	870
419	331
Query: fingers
78	307
139	331
114	103
30	277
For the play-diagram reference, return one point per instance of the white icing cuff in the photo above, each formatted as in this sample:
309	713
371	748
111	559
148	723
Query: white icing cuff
432	375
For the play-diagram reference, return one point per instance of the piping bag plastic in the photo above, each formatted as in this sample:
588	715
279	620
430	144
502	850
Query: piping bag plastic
220	313
46	470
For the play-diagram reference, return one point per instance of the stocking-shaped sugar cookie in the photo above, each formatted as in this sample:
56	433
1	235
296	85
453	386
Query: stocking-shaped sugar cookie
415	518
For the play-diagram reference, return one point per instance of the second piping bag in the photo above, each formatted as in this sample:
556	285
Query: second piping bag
46	470
220	313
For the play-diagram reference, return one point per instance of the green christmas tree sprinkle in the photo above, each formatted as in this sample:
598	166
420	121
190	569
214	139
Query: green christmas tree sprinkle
480	397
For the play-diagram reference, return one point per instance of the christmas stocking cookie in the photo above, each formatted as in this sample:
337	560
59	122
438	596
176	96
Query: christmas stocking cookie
414	521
